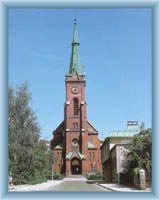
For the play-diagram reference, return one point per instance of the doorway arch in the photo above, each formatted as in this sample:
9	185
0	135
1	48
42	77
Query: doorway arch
76	166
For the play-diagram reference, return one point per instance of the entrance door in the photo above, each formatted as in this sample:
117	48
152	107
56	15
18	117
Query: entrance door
75	166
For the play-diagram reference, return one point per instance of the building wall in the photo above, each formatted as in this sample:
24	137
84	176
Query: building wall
118	140
75	83
120	153
109	143
84	132
113	164
105	151
112	156
58	161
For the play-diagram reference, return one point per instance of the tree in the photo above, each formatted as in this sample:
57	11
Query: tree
139	153
11	128
27	152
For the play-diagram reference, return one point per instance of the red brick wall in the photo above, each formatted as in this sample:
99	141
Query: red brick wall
81	133
58	161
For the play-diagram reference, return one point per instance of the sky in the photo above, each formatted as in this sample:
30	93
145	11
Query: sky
115	50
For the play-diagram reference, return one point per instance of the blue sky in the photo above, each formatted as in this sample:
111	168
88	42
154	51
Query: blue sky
115	49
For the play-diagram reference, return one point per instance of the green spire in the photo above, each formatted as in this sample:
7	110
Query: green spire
75	58
75	35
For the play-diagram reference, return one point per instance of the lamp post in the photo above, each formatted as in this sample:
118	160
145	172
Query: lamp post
10	178
52	171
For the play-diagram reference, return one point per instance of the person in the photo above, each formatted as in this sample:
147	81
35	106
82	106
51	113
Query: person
77	170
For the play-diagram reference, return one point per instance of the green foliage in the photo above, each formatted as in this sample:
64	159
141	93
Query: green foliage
94	176
28	154
57	177
138	153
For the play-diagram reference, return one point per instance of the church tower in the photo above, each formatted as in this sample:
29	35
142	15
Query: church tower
75	108
76	140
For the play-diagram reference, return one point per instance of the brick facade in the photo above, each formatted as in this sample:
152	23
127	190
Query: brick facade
75	142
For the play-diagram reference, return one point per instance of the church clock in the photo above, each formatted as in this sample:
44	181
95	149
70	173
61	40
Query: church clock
75	90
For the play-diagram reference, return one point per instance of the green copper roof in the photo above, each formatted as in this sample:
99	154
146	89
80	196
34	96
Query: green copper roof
91	146
75	35
75	58
81	155
58	147
124	133
69	155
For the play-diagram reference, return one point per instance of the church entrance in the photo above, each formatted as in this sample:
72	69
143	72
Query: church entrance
75	166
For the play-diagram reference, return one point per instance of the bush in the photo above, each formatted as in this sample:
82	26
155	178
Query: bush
94	176
126	179
48	175
57	177
139	153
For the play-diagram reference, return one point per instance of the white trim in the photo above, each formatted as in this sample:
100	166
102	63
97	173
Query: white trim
67	102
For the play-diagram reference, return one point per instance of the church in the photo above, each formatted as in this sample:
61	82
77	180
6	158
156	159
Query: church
75	142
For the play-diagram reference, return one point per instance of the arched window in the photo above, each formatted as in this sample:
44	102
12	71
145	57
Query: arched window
91	167
75	106
75	125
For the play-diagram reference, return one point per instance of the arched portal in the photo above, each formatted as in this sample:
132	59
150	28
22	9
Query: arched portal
76	166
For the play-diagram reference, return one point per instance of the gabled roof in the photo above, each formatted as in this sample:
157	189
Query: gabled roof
91	146
90	128
81	155
58	147
68	156
59	128
72	154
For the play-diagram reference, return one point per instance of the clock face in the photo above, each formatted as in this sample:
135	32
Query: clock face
75	90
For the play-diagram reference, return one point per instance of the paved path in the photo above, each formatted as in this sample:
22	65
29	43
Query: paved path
121	188
78	183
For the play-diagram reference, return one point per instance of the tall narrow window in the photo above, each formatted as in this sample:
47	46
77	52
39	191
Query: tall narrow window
92	154
89	155
91	167
76	125
75	106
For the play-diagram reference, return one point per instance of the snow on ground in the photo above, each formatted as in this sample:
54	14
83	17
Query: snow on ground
46	186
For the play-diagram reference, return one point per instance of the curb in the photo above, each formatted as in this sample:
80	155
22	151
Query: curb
93	181
119	190
108	188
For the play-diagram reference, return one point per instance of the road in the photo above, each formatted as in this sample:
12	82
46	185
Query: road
76	184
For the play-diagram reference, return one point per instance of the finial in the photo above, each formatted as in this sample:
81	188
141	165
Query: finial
75	21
